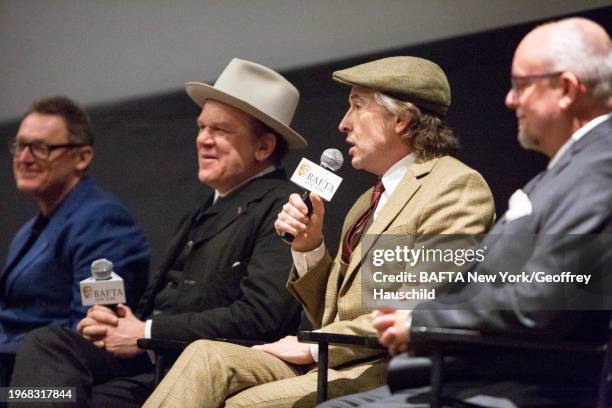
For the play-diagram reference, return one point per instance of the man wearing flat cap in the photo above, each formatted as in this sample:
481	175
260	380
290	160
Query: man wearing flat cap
560	221
225	271
395	129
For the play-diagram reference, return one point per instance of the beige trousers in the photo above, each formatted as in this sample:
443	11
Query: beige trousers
214	374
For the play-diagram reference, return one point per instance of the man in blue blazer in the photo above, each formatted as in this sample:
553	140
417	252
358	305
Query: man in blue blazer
562	95
77	223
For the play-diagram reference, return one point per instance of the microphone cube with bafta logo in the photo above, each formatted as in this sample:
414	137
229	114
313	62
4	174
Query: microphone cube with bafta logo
104	287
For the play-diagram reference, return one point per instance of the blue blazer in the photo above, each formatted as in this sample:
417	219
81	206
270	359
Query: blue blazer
42	288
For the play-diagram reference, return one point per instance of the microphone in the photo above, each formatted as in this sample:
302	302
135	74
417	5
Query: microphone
319	179
104	287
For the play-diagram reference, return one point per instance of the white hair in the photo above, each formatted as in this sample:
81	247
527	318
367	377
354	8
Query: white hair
397	107
427	134
573	48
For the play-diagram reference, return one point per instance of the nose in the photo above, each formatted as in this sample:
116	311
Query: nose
26	155
204	137
511	99
345	124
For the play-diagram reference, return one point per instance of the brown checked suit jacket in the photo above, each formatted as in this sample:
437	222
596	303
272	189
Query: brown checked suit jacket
439	196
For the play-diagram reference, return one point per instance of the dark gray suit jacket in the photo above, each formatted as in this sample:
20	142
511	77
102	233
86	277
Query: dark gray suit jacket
572	206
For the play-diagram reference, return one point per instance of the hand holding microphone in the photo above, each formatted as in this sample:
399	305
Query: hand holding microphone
102	291
300	223
305	232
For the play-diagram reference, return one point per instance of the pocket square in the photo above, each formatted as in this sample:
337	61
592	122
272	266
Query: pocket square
519	206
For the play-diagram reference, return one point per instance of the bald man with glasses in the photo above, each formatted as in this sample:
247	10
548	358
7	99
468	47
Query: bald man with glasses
77	223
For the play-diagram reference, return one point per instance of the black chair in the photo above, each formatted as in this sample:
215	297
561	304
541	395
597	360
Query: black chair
167	351
441	343
441	346
324	340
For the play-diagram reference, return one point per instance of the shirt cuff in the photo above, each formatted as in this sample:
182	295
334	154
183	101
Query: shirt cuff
147	335
314	351
148	324
304	260
409	321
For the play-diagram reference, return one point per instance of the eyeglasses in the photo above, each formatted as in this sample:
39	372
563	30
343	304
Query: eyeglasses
40	150
521	82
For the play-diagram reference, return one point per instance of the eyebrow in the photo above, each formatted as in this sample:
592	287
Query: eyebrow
355	97
28	139
214	124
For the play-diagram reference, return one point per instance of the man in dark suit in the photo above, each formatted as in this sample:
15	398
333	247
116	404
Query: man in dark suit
77	223
224	274
562	94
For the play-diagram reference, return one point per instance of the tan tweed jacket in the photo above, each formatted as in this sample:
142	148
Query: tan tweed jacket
439	196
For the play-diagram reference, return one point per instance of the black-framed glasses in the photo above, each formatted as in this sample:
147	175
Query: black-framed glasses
40	150
521	82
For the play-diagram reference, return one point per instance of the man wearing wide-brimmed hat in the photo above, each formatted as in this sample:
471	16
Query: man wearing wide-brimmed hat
225	272
395	129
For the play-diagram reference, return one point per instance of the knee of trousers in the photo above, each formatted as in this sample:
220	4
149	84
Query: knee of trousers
43	337
206	347
214	353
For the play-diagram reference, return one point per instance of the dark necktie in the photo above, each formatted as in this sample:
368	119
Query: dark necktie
354	233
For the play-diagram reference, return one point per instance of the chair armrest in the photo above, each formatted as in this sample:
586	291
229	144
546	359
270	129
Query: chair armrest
339	339
428	338
162	345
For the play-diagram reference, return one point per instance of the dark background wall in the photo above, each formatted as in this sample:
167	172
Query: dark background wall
145	148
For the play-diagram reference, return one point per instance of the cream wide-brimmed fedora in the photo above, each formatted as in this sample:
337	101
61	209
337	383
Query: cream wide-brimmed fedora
257	90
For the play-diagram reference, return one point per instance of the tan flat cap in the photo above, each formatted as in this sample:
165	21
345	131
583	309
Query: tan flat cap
412	79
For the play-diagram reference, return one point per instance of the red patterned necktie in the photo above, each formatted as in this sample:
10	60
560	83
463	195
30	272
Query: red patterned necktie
353	235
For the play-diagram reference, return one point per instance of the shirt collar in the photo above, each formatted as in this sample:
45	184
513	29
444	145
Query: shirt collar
394	175
576	136
265	171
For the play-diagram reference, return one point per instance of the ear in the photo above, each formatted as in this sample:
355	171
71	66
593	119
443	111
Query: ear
84	156
572	88
265	146
402	124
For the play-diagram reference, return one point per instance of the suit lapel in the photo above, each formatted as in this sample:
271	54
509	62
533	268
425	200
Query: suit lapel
228	209
39	246
223	214
57	218
406	189
174	249
20	241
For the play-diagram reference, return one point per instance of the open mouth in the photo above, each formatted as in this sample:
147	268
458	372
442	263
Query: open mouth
352	148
